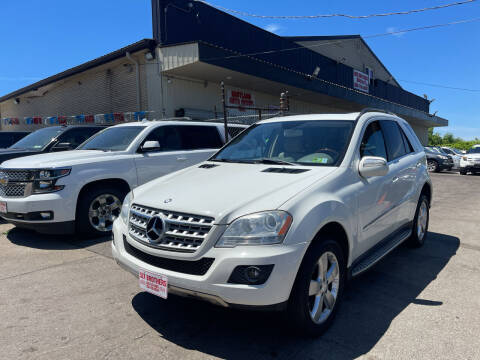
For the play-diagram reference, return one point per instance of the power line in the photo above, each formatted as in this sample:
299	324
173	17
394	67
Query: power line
440	86
349	39
296	17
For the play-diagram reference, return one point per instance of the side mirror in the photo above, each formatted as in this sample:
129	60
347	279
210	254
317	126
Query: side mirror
63	146
150	146
371	166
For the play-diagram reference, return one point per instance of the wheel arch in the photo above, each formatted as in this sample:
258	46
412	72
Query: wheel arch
115	182
427	190
336	231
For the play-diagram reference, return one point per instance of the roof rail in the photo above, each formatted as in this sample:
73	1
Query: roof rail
366	110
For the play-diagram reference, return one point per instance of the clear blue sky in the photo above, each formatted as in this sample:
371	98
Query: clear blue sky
42	38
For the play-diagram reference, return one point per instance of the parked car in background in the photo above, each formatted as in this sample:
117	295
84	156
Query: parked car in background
470	162
455	154
438	161
8	138
50	139
82	190
281	216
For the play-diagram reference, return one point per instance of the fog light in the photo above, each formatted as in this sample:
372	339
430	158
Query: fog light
46	215
250	274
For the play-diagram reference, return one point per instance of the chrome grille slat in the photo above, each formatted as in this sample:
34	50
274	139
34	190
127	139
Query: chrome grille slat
184	232
17	182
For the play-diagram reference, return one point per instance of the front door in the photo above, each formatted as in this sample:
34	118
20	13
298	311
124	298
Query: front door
376	195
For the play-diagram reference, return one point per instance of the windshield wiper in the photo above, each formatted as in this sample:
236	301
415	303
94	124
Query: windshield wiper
274	162
233	161
104	150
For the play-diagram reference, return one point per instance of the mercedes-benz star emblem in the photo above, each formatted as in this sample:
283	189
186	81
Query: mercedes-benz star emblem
166	201
155	229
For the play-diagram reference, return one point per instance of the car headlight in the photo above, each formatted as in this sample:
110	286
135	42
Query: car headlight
126	207
45	181
264	228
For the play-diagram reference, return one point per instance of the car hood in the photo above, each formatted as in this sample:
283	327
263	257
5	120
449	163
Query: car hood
226	191
58	159
472	156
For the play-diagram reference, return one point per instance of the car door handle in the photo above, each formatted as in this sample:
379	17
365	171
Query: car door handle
181	158
395	179
418	164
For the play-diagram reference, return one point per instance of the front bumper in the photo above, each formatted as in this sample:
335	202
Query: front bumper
25	212
470	165
213	286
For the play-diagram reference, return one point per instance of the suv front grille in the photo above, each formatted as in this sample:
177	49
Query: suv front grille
198	267
13	183
183	232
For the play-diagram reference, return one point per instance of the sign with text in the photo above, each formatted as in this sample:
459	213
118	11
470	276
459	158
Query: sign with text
360	81
240	98
153	283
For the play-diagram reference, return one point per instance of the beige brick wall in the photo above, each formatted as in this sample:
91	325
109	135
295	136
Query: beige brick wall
105	89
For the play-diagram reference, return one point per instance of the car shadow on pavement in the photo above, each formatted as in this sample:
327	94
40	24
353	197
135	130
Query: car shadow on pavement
30	238
370	304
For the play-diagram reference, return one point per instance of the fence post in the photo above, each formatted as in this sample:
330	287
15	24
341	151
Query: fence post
222	85
282	103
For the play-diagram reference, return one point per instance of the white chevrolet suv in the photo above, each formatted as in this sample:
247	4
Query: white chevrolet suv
281	216
82	190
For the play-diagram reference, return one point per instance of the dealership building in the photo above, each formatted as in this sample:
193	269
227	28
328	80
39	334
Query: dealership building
194	48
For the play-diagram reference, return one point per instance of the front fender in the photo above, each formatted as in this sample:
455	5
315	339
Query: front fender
307	223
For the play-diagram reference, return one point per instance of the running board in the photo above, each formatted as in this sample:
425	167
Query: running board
379	252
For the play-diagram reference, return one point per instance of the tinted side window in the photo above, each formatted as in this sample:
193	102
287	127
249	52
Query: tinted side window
373	143
77	136
406	142
393	139
168	137
200	137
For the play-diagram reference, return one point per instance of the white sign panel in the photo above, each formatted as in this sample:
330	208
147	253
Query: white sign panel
243	99
360	81
153	283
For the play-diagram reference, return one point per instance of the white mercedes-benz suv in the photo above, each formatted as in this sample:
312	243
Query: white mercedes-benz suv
281	216
82	190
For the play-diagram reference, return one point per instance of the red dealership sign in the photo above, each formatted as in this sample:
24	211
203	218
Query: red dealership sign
360	81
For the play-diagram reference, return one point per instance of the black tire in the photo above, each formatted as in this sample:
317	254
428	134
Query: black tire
416	239
82	220
432	166
298	311
463	172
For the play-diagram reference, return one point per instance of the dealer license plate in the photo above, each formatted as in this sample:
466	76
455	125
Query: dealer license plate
155	284
3	207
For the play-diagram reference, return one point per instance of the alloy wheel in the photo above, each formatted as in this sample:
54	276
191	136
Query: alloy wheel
103	211
422	221
324	286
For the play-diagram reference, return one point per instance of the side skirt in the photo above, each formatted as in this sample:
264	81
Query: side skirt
379	251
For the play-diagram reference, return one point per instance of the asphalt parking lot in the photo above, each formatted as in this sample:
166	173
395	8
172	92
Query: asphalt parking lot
65	298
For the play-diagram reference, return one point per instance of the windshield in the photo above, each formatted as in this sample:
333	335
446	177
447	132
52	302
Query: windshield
474	151
38	139
290	142
112	139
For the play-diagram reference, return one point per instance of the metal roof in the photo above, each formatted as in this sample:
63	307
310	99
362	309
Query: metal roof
139	45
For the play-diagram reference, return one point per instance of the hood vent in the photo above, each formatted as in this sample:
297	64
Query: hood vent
207	166
285	170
